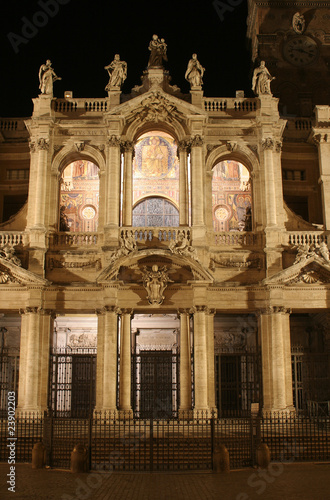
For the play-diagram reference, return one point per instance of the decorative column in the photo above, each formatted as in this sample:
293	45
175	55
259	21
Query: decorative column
112	191
210	359
125	408
106	371
185	364
322	140
197	181
200	359
128	148
36	330
274	327
184	189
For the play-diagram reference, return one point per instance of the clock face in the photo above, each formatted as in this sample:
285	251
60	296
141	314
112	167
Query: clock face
300	50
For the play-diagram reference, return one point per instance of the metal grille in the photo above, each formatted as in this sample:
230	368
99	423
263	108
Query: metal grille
72	383
9	365
155	384
310	379
238	382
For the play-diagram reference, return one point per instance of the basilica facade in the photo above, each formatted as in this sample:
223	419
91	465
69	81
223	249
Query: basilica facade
172	254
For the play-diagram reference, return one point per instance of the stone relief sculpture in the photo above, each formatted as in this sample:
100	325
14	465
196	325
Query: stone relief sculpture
155	282
47	76
8	253
305	252
194	73
261	80
298	23
127	245
158	49
117	70
182	246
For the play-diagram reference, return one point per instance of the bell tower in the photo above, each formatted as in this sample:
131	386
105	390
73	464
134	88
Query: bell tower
293	38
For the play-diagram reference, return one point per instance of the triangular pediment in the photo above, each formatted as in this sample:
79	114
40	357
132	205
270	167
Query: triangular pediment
13	274
157	106
181	269
309	271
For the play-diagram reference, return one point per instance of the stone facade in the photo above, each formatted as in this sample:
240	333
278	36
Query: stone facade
184	289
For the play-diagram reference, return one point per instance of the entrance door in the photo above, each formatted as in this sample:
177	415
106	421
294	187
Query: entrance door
155	387
83	385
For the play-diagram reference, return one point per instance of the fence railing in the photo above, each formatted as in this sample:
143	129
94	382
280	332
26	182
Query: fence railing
122	443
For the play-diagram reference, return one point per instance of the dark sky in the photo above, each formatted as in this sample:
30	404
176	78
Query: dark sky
80	37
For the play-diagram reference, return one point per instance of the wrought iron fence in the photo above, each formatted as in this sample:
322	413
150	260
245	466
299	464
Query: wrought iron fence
117	442
9	364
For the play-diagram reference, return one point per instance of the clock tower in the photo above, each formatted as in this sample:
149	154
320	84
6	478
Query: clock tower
293	38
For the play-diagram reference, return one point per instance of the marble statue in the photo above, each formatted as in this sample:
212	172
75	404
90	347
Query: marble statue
261	80
47	76
195	72
158	49
117	70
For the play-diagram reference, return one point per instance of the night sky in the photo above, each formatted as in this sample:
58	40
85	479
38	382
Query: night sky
81	37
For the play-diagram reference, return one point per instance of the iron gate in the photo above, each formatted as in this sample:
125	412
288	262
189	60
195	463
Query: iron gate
238	382
9	365
155	384
310	379
72	382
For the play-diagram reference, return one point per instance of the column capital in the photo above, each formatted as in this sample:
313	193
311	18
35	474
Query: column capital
127	146
270	143
114	141
204	309
106	309
273	310
196	141
183	146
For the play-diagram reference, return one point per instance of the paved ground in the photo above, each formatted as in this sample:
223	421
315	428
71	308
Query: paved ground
281	481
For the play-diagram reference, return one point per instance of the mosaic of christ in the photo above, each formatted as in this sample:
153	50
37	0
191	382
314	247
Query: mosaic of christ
155	157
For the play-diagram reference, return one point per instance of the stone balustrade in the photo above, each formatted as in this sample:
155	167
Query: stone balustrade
230	105
67	239
81	106
162	234
12	238
237	239
297	238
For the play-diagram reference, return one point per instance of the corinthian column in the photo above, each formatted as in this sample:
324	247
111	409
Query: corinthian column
128	148
36	330
185	364
125	365
38	183
200	359
112	200
106	371
274	327
197	180
183	176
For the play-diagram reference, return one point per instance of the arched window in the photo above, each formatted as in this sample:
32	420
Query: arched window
156	212
231	197
79	197
155	180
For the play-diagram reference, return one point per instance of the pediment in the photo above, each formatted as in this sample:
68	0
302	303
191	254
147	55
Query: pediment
314	270
129	269
13	274
157	106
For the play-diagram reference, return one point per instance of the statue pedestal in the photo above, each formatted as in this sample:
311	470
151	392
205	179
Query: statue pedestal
114	96
197	96
42	105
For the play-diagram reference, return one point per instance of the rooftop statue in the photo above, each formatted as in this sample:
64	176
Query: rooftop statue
117	70
158	49
194	73
261	80
47	76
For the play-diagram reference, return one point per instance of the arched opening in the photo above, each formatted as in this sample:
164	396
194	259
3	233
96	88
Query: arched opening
156	188
155	212
79	197
231	197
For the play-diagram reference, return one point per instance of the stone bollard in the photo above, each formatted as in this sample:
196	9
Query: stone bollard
263	456
79	459
221	462
38	456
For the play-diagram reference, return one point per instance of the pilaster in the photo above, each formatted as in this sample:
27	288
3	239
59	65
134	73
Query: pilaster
274	327
112	203
184	194
201	370
106	371
185	364
321	137
197	181
128	148
125	408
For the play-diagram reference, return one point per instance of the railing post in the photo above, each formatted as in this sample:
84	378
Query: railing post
151	444
47	437
90	428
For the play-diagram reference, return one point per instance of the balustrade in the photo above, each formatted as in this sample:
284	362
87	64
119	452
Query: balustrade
297	238
11	238
228	105
74	239
237	238
80	106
